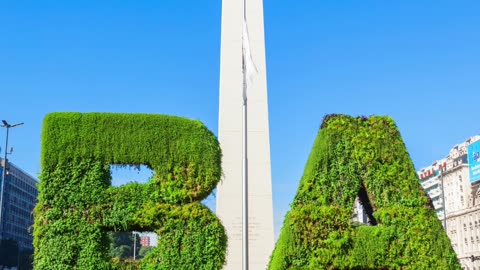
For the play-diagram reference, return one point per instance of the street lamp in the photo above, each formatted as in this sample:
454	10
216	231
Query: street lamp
4	171
443	199
134	233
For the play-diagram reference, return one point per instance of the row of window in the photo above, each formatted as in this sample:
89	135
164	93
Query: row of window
18	236
20	202
468	268
472	240
14	210
22	184
18	230
17	192
474	225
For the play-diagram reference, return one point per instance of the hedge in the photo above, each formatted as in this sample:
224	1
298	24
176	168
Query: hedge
77	206
352	156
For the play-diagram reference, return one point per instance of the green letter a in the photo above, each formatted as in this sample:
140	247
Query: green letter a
362	157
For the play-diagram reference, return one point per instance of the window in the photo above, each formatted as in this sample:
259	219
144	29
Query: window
460	178
461	188
465	228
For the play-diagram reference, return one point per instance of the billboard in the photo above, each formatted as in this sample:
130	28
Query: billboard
474	161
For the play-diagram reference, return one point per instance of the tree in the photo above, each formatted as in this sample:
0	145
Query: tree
122	252
144	251
121	245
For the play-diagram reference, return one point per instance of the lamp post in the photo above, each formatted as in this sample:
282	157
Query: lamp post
443	199
134	246
4	172
474	258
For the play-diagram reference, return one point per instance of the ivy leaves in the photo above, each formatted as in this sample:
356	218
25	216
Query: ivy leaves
348	154
77	206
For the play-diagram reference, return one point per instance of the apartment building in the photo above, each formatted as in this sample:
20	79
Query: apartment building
453	185
19	199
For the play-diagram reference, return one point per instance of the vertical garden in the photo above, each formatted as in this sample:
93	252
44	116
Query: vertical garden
351	157
365	157
77	206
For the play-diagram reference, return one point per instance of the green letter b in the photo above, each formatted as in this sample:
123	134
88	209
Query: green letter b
77	205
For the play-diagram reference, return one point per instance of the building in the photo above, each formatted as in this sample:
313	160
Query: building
359	213
236	16
459	174
148	239
144	241
431	181
19	199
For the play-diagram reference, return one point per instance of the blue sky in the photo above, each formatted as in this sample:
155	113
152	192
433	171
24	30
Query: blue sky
417	61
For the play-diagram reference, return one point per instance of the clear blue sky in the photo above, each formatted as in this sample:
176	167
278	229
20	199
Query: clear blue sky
417	61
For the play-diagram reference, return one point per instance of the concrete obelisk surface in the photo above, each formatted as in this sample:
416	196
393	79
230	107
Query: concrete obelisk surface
229	190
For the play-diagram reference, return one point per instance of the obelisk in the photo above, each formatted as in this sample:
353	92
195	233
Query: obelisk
229	190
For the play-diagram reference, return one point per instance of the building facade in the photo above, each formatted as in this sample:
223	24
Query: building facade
431	181
359	213
148	239
456	196
144	241
19	199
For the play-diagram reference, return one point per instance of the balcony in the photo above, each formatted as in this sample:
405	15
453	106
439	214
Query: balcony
438	204
434	193
430	183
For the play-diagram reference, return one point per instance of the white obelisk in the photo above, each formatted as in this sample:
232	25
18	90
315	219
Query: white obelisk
231	130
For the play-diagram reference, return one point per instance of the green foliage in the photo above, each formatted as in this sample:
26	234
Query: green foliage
78	206
144	251
121	252
121	244
189	237
350	154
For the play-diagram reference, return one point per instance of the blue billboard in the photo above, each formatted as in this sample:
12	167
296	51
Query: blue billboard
474	161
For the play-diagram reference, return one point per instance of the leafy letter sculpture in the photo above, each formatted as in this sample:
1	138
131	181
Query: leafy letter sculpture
77	205
362	157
